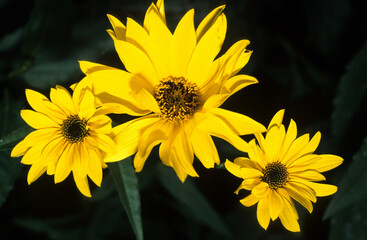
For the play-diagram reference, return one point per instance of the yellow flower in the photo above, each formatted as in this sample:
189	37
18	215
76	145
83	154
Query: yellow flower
70	136
280	168
175	83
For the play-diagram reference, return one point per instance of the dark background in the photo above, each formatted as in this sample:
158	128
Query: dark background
310	57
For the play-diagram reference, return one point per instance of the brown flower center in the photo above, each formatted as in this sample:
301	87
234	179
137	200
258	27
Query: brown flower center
276	175
177	98
74	129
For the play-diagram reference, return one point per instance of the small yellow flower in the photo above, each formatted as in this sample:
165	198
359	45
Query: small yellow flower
281	168
70	135
176	84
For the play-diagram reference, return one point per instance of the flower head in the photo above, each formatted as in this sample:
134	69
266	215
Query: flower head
280	168
71	134
176	83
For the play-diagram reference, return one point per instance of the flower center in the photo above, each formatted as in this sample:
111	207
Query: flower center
177	98
74	129
276	175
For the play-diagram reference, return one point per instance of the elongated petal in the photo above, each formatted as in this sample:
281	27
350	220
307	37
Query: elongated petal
277	119
275	204
94	170
82	184
326	162
52	152
247	163
250	173
91	67
216	127
204	148
38	137
321	189
182	45
136	61
62	98
249	201
36	170
233	168
240	124
37	120
41	104
205	51
63	167
261	191
295	149
127	137
263	215
310	175
290	136
33	155
119	30
87	105
103	142
298	195
151	137
288	219
138	36
208	22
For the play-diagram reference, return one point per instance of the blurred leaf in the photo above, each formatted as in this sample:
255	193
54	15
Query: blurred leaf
351	91
11	139
127	186
350	223
9	169
353	186
193	201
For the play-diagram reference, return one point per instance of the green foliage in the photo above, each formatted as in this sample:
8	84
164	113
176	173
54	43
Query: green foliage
126	182
351	92
194	204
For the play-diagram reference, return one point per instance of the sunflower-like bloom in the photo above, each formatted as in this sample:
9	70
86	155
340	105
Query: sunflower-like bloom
71	134
176	85
281	168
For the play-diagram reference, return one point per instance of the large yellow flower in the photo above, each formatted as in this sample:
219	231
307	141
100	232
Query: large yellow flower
280	168
70	136
175	83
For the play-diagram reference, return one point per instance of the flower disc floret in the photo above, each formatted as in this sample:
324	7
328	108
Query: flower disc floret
74	129
177	98
276	175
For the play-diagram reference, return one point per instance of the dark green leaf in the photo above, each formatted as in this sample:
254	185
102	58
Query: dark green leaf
352	89
353	187
128	189
193	201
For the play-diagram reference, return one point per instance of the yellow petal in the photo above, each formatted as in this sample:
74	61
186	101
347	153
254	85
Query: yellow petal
182	155
91	67
277	119
64	164
250	173
233	168
153	15
288	219
136	61
146	100
94	169
300	195
204	148
263	213
118	28
261	191
294	150
326	162
249	201
51	153
250	183
41	104
100	124
151	137
240	124
87	105
303	162
310	175
289	138
209	21
37	120
33	155
256	154
205	51
216	127
230	87
102	141
272	144
323	190
138	36
127	137
183	45
160	6
82	184
275	204
38	137
62	98
35	172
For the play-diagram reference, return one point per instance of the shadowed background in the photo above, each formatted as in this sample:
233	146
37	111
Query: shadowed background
310	58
